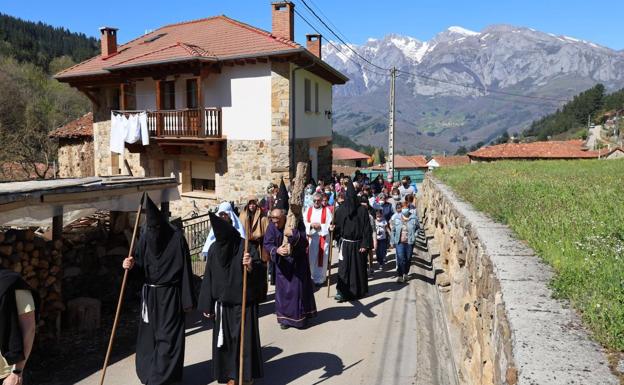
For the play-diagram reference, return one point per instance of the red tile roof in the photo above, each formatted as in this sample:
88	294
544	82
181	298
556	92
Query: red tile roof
446	161
418	160
79	128
406	162
344	153
569	149
211	39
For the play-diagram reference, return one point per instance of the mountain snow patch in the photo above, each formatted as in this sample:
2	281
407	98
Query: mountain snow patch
462	31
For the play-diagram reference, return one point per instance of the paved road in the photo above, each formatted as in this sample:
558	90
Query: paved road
396	336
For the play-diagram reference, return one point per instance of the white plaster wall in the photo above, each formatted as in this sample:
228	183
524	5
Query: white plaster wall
146	94
244	95
312	124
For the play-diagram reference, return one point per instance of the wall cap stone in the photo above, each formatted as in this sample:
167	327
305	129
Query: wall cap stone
550	344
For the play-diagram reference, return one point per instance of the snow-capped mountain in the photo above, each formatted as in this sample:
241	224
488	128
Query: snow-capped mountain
467	64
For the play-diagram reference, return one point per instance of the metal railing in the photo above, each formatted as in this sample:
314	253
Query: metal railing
191	122
196	231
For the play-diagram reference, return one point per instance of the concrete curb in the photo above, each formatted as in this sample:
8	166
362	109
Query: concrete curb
550	344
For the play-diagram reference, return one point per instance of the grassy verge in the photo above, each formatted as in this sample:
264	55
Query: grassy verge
572	214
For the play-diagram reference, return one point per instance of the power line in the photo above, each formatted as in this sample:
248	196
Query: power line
484	90
341	39
336	48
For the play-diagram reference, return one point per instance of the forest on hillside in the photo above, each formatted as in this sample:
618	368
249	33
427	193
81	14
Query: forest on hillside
32	102
591	104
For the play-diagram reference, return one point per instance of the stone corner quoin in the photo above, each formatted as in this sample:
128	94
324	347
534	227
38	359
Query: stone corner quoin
508	328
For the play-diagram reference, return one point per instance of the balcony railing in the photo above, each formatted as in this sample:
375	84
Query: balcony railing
192	122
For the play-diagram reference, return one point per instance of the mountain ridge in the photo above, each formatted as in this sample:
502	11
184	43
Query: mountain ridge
500	58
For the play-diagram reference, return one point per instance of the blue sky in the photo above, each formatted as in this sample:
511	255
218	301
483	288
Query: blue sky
599	21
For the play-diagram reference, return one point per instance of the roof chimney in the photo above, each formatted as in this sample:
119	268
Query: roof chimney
283	14
313	44
109	41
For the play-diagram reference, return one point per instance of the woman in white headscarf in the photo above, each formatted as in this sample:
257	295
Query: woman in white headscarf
225	211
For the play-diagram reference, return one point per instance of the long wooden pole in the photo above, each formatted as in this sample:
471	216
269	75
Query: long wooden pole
121	293
329	260
241	357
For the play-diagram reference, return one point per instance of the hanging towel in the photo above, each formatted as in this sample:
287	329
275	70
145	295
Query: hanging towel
144	131
117	133
133	131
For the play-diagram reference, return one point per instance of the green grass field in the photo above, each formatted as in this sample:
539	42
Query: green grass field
572	214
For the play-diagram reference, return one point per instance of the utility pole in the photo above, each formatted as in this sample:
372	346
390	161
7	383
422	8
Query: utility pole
390	159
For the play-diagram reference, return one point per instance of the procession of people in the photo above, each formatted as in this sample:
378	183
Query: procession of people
264	246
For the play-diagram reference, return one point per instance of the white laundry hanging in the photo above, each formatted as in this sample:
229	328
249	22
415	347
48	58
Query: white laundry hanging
144	131
117	133
133	131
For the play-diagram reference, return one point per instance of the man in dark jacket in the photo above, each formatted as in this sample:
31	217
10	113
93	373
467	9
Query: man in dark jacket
18	303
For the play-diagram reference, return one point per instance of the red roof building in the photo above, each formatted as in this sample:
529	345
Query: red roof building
448	161
79	128
222	103
406	162
570	149
345	156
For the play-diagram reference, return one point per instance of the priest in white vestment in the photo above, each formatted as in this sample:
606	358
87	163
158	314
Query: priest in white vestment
318	220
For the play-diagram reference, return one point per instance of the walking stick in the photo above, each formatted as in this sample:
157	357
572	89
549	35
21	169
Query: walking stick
241	358
121	293
329	260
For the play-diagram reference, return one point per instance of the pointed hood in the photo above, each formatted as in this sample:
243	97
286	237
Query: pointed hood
226	239
351	201
282	197
158	231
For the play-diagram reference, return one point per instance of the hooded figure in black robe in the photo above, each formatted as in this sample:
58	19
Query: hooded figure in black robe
221	297
354	233
163	256
11	339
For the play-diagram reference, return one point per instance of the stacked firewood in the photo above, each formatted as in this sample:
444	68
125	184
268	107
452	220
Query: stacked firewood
39	261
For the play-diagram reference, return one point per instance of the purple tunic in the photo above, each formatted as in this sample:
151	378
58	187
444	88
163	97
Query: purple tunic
294	290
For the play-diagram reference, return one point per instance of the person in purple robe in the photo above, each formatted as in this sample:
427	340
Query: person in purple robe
294	289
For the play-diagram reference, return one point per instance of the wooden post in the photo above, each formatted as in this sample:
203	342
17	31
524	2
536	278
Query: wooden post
164	208
158	107
57	223
200	105
123	104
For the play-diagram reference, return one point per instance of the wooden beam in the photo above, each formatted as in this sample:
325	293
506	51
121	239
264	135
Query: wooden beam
123	104
57	224
89	94
263	60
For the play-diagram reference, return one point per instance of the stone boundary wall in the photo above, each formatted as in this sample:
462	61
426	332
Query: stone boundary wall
505	326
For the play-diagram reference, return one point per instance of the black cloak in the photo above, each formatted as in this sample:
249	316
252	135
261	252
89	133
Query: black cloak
221	295
163	255
353	231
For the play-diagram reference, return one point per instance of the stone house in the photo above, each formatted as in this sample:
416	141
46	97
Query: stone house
75	148
230	107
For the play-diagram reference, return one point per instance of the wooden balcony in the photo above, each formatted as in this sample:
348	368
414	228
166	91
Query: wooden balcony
173	130
188	123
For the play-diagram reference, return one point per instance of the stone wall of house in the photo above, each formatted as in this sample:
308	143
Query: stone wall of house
75	158
101	148
244	169
504	325
40	263
280	120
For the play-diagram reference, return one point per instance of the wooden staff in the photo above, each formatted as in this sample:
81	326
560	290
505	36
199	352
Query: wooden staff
329	259
241	357
121	293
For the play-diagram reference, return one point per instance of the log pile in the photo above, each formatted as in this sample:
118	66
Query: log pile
40	263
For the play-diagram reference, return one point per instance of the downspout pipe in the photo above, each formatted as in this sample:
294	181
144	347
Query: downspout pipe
293	120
